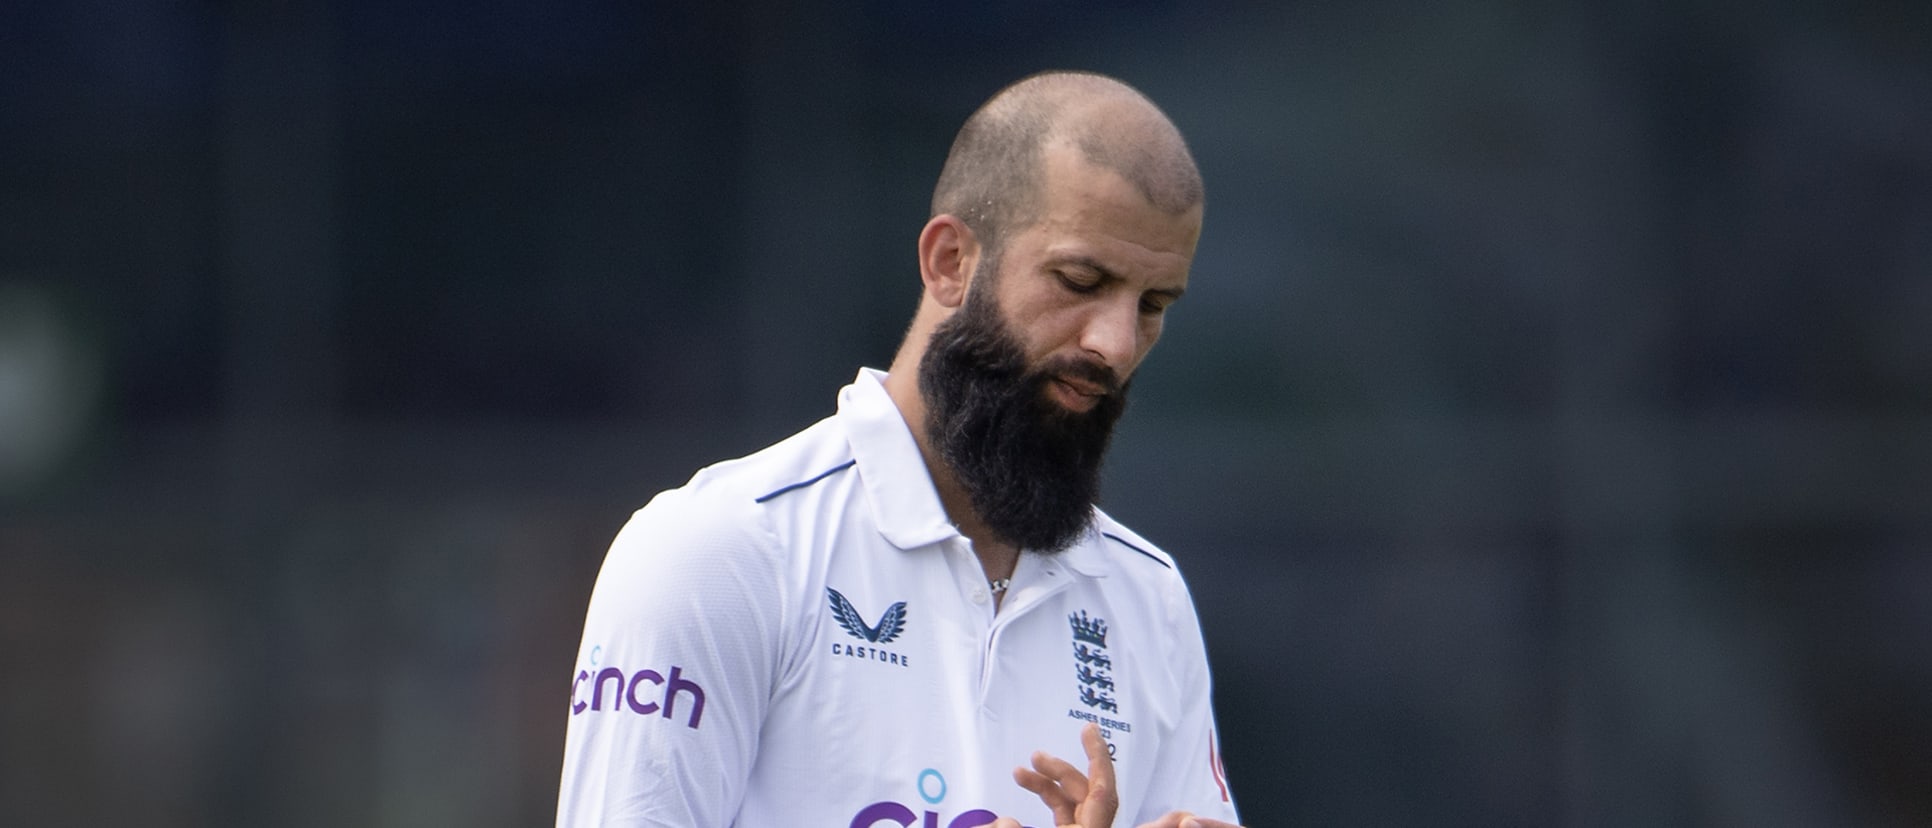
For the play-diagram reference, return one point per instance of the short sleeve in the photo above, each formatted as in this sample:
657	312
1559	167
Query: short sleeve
1189	775
680	652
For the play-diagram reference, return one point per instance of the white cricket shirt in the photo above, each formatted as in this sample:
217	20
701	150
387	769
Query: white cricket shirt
801	638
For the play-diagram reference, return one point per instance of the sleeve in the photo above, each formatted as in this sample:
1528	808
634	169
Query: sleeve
1188	775
681	649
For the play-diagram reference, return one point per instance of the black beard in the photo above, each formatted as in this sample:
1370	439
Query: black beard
1030	467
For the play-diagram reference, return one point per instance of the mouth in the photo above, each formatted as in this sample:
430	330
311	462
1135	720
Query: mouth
1076	395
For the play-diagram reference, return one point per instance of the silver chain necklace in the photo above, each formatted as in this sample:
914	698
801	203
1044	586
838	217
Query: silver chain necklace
999	586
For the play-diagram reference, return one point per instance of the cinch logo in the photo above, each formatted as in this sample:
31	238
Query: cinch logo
624	692
932	789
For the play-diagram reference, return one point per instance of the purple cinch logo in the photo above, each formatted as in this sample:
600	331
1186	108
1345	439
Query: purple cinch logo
893	813
625	693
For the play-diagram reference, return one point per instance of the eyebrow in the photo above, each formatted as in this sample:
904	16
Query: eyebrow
1107	273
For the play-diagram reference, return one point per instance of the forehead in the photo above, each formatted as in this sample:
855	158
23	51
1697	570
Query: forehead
1090	210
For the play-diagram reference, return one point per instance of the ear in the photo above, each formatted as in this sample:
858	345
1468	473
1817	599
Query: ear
948	252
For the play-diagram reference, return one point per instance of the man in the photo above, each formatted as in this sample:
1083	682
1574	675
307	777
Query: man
874	621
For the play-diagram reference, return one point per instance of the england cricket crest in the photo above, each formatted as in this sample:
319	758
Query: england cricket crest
1093	672
1092	666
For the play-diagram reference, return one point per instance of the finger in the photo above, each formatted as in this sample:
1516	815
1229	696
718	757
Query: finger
1002	822
1204	822
1171	819
1049	792
1102	799
1100	762
1071	780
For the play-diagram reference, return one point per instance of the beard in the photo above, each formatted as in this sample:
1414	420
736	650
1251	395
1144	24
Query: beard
1030	466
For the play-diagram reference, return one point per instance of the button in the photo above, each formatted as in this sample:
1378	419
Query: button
979	596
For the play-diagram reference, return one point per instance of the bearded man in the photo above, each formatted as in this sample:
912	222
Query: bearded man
904	614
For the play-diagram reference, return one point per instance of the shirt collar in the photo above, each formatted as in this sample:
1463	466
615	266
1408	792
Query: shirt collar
1088	556
904	502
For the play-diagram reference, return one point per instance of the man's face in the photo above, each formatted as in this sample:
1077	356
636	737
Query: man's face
1024	383
1091	280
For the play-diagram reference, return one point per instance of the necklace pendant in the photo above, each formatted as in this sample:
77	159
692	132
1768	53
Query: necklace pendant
999	586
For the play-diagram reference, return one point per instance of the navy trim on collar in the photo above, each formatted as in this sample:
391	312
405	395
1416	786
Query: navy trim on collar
1117	539
821	476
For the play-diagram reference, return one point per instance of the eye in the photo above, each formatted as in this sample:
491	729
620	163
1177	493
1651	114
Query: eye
1154	304
1077	284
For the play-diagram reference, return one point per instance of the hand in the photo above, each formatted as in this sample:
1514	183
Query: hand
1183	819
1078	800
1090	800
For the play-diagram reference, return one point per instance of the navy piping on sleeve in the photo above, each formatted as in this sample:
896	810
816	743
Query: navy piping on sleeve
821	476
1117	539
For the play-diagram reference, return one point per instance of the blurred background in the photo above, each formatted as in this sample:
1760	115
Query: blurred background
1547	434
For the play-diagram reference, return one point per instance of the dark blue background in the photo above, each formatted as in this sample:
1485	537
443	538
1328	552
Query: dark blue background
1547	433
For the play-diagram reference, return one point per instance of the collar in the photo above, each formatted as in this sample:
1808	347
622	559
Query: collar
1087	556
905	504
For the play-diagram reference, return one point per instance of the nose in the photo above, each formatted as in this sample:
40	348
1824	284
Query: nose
1113	334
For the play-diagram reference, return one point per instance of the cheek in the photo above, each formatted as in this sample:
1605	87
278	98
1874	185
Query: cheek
1150	332
1052	325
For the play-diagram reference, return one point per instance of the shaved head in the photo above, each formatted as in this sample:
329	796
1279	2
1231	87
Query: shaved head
993	175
